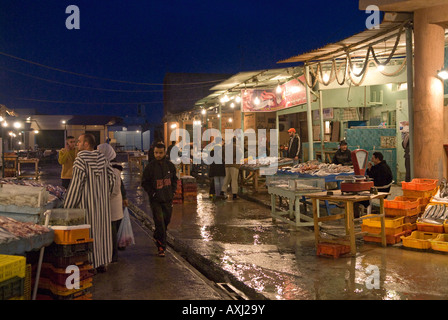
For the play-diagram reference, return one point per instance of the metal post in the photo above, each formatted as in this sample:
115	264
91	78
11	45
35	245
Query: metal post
322	133
309	119
410	82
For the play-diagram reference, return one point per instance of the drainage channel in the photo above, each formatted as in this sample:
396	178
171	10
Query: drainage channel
214	277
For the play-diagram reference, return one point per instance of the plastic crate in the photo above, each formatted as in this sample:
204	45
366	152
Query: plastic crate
419	240
410	219
45	294
59	276
440	243
71	234
67	217
401	202
63	262
420	184
390	239
409	226
424	195
377	230
59	290
445	226
375	221
332	249
12	266
69	250
429	227
11	288
400	212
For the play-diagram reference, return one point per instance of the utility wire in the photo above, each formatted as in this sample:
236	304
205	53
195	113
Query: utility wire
105	79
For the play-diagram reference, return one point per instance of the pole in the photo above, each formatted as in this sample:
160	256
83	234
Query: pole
410	82
322	133
309	119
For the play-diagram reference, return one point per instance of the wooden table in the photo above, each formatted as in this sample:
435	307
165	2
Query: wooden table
294	197
254	174
36	168
349	200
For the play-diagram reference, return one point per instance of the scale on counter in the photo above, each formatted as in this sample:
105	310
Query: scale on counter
358	182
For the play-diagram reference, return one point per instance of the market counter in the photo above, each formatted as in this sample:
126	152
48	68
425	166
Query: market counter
349	200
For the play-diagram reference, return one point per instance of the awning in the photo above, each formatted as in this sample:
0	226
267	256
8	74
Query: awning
382	39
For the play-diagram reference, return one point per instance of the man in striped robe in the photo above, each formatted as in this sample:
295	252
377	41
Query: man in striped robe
92	184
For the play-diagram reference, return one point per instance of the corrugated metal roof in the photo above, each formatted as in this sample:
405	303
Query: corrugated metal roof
381	39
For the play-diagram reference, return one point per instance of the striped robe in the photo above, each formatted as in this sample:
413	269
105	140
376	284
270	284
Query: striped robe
90	189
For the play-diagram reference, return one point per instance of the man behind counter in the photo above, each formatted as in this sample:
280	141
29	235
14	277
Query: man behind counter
343	155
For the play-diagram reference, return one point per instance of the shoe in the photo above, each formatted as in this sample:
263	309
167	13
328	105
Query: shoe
161	252
101	269
235	197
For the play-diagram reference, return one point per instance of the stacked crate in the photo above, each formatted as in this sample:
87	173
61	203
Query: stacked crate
189	189
178	195
394	228
67	272
13	271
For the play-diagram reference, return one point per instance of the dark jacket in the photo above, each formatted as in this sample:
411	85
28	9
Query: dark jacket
294	147
381	175
159	180
216	169
343	157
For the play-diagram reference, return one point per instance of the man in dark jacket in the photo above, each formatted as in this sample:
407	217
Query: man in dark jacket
343	155
380	172
159	180
293	145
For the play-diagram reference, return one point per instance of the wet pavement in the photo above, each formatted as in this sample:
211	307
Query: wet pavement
236	242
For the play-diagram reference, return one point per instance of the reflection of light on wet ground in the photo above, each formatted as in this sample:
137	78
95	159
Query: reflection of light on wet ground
206	217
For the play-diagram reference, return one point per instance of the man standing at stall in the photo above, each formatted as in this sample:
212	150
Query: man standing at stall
90	189
159	180
66	158
343	155
293	145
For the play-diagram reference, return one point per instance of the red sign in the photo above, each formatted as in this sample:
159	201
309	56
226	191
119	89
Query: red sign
292	94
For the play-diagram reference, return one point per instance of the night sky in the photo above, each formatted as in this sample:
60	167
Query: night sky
120	54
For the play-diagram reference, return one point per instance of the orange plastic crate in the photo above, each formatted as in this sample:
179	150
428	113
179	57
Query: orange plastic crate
71	234
401	212
420	184
390	239
430	227
332	249
401	202
376	230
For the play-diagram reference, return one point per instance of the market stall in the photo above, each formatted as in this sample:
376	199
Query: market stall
250	173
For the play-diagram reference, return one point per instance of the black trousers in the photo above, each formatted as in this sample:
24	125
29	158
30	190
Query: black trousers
115	227
161	213
65	183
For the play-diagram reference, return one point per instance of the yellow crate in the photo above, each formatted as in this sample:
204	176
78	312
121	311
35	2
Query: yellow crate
425	195
12	266
440	243
377	230
419	240
375	221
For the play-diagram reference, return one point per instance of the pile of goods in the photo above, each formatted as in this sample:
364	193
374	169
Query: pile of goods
265	162
71	247
316	168
189	189
56	191
11	229
15	280
178	195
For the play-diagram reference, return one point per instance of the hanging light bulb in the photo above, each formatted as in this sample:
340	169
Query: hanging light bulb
326	77
203	111
230	120
257	100
238	99
232	105
380	67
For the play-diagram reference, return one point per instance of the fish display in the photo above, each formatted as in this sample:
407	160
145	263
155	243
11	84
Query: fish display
435	213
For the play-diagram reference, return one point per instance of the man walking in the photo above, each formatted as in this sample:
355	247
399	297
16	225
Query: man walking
90	189
66	158
159	180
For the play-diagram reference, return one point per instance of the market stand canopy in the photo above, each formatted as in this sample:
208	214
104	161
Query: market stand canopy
381	46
